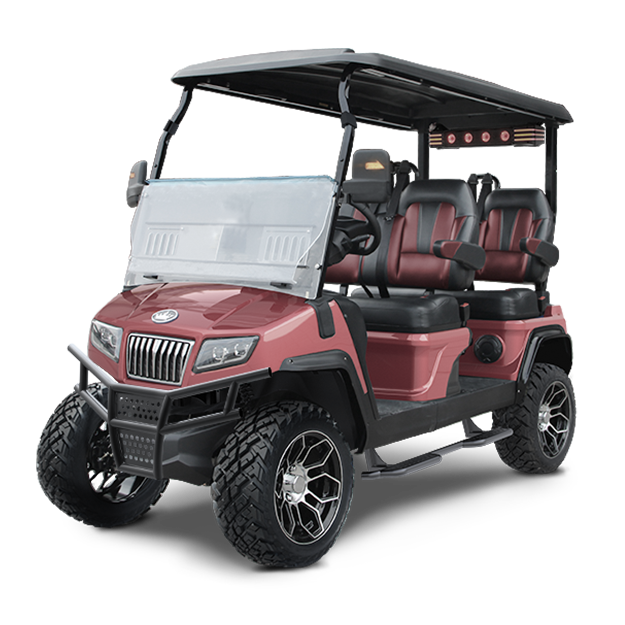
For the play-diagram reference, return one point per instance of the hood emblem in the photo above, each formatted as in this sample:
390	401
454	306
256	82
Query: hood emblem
165	316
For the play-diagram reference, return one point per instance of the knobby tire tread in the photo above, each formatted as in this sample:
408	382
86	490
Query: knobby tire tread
519	451
56	466
241	479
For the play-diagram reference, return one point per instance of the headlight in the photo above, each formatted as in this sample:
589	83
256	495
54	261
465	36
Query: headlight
217	353
106	338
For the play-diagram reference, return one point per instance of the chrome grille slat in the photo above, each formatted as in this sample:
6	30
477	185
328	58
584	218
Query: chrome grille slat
168	360
155	347
160	364
132	342
142	357
157	358
175	359
146	360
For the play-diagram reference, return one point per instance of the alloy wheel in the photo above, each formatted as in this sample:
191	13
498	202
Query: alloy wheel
554	419
308	488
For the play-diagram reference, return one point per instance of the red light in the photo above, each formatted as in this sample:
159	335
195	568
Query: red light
451	138
485	137
468	137
504	135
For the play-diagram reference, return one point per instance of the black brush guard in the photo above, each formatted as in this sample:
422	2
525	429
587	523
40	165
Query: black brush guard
153	435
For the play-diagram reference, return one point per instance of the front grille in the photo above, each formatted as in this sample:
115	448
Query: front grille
157	358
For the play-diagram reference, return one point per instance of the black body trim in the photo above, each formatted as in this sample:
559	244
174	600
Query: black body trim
336	360
401	420
549	344
322	309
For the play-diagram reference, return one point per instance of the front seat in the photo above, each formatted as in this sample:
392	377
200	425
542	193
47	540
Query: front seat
432	245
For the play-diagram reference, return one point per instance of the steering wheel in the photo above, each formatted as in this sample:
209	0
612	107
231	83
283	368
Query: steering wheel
358	232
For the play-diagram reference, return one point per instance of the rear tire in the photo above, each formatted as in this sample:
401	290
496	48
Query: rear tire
543	423
283	485
77	472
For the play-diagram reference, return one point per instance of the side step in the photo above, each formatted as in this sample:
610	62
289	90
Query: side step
376	467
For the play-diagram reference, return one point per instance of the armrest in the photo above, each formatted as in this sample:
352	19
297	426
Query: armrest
468	255
546	252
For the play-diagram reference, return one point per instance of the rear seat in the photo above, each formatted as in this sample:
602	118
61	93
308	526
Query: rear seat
517	234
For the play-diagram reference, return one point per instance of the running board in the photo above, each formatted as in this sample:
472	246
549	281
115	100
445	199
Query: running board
376	467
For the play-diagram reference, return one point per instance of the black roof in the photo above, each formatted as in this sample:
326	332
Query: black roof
385	91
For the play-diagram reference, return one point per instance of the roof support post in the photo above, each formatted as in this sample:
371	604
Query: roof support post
551	166
348	121
424	155
424	146
169	131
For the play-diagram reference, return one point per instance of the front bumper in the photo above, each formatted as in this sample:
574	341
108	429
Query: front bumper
166	434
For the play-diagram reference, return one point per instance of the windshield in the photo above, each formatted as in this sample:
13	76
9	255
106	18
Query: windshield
269	233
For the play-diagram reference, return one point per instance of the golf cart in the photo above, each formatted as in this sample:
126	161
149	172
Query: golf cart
269	328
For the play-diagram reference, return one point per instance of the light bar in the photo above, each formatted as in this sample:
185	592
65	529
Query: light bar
436	138
531	135
481	137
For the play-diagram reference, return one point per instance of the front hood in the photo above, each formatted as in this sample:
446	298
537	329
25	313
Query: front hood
286	325
222	310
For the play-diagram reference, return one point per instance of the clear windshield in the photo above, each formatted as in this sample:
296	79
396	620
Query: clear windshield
269	233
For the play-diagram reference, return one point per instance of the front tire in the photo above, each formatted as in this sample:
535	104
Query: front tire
543	423
77	472
283	485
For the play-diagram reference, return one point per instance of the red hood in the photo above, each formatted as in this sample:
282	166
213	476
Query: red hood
201	308
287	327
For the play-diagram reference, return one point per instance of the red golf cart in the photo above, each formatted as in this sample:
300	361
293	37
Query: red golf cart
269	328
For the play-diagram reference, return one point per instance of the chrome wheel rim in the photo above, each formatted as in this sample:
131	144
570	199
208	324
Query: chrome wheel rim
308	488
554	419
105	480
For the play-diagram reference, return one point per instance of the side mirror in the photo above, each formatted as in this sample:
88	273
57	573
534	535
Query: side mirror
136	182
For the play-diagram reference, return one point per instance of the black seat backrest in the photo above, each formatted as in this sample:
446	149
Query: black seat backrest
430	211
511	215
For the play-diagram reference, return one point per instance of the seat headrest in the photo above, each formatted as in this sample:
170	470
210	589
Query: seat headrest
372	177
531	199
454	192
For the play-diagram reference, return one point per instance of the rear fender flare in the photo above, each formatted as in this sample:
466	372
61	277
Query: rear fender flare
550	345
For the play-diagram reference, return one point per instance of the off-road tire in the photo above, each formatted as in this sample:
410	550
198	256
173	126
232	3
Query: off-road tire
536	446
249	497
65	467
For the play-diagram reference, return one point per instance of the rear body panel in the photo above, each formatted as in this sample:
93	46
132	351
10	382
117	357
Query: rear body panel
414	367
514	336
